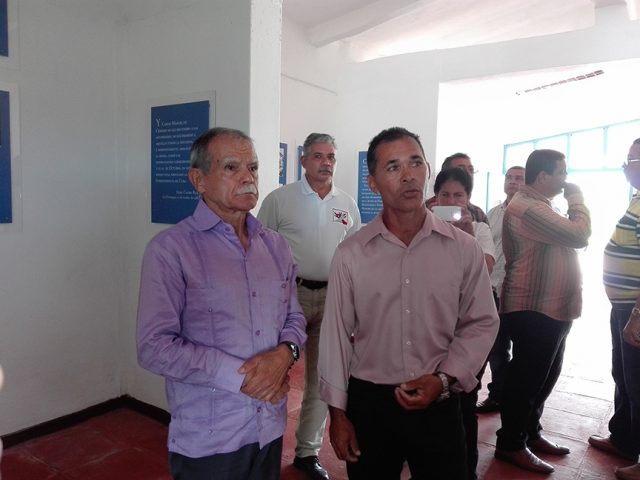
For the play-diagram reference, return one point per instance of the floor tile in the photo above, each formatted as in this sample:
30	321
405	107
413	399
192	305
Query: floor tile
18	464
129	464
128	426
71	447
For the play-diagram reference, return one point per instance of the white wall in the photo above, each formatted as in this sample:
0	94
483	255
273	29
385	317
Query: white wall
204	47
309	99
404	90
59	272
70	266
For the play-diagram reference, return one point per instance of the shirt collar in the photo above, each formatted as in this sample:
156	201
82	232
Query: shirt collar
432	224
307	190
206	219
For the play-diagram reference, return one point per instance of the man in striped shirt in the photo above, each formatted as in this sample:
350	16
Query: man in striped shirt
622	284
541	295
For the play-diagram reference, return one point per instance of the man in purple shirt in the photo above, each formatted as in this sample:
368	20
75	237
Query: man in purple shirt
218	317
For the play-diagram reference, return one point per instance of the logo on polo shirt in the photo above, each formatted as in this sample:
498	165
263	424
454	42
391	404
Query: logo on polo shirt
340	216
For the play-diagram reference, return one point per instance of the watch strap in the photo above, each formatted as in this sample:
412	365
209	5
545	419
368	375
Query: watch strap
446	393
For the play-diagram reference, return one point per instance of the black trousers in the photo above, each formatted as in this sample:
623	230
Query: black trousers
248	463
625	422
470	422
430	440
538	350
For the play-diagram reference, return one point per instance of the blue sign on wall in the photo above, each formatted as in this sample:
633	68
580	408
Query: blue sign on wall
300	153
4	29
282	165
369	203
173	130
6	215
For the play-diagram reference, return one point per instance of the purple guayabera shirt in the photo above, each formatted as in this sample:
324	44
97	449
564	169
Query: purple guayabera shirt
206	306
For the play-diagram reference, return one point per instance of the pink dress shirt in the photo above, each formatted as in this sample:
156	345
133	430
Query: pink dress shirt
413	309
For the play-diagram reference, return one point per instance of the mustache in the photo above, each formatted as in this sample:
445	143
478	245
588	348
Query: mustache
248	189
326	170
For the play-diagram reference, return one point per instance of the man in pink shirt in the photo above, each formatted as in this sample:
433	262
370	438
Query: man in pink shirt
408	322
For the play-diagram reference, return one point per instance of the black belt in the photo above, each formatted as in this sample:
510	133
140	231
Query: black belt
311	284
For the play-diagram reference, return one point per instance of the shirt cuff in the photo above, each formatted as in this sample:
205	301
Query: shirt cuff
333	396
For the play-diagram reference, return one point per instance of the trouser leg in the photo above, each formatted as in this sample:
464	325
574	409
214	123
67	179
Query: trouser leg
313	411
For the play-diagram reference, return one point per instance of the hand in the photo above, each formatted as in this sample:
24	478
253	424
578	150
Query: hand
570	189
343	436
280	394
419	393
266	374
466	221
631	332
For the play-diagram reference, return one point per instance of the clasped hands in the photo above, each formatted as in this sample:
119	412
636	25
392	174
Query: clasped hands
266	375
413	395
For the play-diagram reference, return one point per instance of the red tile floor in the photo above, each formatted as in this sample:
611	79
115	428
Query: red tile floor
124	445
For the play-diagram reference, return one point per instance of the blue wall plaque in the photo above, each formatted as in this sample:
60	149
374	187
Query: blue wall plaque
173	130
369	203
282	164
6	215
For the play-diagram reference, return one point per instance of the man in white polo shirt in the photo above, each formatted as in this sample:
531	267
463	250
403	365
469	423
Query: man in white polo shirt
314	216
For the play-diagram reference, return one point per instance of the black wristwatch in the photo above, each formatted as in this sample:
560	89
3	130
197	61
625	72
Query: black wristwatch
295	350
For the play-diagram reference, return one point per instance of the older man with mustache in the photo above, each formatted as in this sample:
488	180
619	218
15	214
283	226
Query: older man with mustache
314	216
218	317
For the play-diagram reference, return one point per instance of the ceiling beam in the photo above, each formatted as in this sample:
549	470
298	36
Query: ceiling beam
360	20
633	6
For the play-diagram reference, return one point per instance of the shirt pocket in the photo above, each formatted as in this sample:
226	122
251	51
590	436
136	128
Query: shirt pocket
209	313
274	304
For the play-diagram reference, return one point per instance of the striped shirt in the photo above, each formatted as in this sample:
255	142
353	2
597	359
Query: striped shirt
542	272
622	259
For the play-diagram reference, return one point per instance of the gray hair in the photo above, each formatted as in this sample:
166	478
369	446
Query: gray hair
314	138
199	155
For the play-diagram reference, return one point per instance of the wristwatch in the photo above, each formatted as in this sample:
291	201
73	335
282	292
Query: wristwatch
445	387
295	351
635	311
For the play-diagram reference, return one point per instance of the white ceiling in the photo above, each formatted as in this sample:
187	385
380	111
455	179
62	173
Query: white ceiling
380	28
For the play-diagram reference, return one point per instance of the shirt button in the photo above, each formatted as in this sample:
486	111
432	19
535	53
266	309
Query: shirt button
210	309
173	440
284	285
253	294
259	409
407	281
408	342
412	374
258	332
210	431
407	311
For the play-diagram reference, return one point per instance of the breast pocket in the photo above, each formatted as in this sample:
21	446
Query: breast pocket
209	313
274	303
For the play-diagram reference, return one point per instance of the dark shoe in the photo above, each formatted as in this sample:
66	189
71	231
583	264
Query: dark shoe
628	473
604	444
312	467
487	406
544	445
524	459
